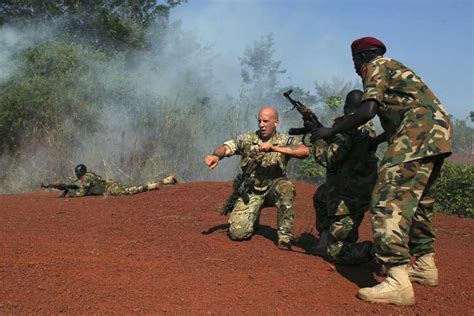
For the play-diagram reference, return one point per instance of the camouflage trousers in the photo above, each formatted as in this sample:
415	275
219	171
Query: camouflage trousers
114	188
341	227
243	218
343	247
402	210
343	232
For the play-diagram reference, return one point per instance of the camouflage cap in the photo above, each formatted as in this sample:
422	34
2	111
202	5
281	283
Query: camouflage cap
367	43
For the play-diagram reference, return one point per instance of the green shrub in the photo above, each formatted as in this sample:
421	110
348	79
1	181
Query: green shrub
50	92
307	170
454	190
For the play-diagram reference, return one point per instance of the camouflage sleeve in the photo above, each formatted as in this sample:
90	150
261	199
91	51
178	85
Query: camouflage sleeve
368	129
83	189
329	154
235	145
232	145
376	80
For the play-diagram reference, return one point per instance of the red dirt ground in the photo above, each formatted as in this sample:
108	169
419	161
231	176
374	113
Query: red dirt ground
166	252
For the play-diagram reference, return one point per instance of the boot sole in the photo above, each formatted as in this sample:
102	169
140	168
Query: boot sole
381	301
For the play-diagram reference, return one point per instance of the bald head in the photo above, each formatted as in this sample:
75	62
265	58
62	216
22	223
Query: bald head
269	112
267	122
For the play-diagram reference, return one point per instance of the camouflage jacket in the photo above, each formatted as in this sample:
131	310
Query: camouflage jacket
90	184
415	121
272	165
351	170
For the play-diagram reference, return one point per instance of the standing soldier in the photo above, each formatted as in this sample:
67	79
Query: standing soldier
341	202
271	187
92	184
418	131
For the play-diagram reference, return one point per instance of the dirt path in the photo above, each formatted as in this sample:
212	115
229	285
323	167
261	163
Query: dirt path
166	252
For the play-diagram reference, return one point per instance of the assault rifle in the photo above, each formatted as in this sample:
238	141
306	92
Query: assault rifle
60	186
242	185
307	114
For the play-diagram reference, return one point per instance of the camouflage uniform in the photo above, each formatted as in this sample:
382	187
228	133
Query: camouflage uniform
340	203
271	187
92	184
419	135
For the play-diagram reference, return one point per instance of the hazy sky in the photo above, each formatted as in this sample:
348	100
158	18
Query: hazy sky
312	39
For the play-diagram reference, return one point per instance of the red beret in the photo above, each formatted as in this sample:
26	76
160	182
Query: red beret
366	43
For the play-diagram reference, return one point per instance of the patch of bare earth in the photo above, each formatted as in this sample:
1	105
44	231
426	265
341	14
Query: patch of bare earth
166	252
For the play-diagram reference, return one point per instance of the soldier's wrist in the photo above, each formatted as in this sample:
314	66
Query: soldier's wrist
218	155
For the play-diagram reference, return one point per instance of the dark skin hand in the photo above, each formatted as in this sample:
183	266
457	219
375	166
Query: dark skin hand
375	142
365	112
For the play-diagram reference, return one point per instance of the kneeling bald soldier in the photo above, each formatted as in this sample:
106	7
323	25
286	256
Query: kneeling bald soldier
273	150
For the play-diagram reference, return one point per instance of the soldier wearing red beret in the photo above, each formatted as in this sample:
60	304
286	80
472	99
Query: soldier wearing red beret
418	131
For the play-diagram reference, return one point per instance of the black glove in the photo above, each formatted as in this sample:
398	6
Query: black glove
321	133
373	144
318	132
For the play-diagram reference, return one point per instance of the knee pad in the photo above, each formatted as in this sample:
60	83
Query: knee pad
239	233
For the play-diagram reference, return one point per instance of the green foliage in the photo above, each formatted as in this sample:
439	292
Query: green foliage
335	87
258	64
43	99
141	10
309	170
87	94
463	138
333	101
260	71
454	190
331	95
109	25
162	136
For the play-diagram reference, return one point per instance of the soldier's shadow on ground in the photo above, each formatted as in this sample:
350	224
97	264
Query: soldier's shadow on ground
362	275
267	232
261	230
215	228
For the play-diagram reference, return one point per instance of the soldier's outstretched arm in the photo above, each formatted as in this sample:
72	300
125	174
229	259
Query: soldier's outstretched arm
299	151
220	152
366	111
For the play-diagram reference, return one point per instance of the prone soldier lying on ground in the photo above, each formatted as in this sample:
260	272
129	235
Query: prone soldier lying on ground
90	183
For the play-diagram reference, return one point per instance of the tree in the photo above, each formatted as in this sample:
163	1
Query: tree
114	24
463	136
338	87
51	89
330	96
126	110
259	70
